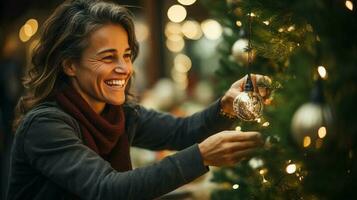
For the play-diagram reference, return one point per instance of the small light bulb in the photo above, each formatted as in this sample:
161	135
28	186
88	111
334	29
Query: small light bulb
291	168
322	132
307	141
238	23
349	5
322	71
263	171
266	22
291	28
235	186
266	124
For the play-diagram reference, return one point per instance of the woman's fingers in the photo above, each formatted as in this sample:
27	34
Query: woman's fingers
235	136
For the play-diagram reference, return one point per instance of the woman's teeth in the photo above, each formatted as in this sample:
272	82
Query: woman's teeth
119	83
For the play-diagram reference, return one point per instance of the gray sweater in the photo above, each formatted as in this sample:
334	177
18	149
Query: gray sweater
50	161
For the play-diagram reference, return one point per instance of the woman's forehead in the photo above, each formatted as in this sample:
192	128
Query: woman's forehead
109	37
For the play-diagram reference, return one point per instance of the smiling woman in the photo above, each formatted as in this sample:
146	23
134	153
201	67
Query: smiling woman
75	126
64	38
101	75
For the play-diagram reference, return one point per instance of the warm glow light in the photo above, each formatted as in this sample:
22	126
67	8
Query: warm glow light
349	5
235	186
192	30
141	31
266	22
266	124
180	78
259	120
307	141
186	2
33	24
23	37
322	71
182	63
175	43
322	132
280	30
291	28
28	30
238	23
238	128
177	13
291	168
172	29
212	29
263	171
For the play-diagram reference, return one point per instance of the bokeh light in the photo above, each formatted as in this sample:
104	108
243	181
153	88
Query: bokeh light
211	29
177	13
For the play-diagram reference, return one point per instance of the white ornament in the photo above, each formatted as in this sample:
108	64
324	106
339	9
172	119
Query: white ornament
255	163
311	124
239	51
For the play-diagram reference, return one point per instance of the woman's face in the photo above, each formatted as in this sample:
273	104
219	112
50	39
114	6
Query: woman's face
104	69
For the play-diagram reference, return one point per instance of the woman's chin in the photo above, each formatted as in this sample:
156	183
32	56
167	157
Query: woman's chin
117	102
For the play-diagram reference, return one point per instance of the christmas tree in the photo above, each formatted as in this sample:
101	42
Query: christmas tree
308	49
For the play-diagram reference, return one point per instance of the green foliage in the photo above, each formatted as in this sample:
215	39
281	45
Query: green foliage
300	36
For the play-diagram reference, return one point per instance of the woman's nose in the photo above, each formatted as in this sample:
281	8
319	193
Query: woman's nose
122	67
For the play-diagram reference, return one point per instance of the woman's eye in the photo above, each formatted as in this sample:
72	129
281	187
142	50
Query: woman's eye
127	56
108	58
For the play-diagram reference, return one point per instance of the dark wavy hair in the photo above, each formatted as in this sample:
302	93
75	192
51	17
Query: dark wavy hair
64	36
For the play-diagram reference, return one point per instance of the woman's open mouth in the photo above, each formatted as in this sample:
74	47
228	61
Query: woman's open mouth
116	83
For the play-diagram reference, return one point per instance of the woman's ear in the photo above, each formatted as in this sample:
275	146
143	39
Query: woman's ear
69	67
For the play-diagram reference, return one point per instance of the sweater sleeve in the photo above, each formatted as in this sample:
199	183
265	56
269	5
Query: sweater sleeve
55	150
158	131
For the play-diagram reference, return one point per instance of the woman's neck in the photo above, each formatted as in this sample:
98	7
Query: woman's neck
96	105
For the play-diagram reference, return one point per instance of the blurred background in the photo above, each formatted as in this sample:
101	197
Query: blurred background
191	51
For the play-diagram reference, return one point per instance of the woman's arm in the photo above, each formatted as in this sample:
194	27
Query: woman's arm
54	148
157	130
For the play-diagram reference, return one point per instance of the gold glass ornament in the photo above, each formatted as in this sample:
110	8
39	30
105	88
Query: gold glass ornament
248	106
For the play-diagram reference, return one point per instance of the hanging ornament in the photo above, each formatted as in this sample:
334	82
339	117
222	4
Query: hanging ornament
240	53
248	105
312	123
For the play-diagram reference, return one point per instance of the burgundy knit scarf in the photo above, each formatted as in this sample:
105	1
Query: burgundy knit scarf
105	133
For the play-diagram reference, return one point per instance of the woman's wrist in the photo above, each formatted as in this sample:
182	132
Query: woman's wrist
226	109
